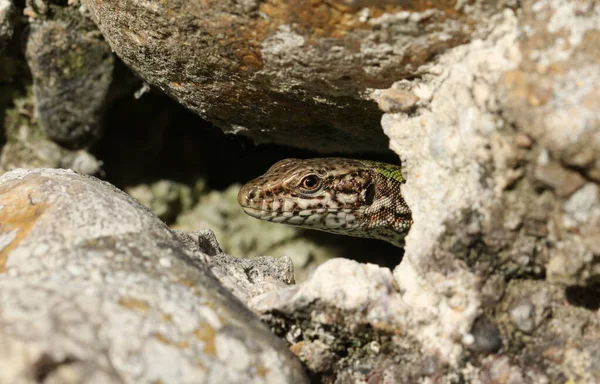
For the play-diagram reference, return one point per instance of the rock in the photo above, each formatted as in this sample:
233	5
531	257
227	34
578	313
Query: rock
72	72
8	14
395	100
248	66
486	337
523	316
27	147
96	288
562	181
479	213
349	314
553	94
245	278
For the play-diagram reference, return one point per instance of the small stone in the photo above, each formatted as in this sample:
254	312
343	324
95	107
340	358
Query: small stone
486	337
564	182
539	96
523	316
523	141
396	100
72	73
8	15
584	204
316	355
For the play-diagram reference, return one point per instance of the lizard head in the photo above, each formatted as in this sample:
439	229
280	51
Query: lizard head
315	193
352	197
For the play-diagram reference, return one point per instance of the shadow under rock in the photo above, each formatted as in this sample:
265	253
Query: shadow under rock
586	297
359	249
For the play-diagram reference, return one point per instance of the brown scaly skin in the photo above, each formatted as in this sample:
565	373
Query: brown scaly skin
351	197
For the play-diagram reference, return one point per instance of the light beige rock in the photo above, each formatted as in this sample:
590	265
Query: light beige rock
94	288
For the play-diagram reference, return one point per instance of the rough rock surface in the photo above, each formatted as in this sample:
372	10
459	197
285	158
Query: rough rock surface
494	113
500	278
28	147
72	71
285	68
8	14
94	288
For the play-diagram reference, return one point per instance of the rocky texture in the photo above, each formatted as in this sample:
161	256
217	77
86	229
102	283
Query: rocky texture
245	278
285	68
8	13
94	288
27	146
500	278
499	142
72	71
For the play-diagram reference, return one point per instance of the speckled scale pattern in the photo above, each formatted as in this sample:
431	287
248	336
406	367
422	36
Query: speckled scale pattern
354	197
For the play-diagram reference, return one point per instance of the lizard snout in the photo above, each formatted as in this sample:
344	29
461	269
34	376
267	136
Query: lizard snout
248	195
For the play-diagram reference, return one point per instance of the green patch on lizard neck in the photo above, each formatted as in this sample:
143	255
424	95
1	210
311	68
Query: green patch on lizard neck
389	171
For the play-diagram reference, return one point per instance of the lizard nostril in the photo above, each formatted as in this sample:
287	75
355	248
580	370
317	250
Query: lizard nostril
247	195
251	194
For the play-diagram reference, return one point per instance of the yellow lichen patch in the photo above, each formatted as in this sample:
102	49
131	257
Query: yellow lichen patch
165	340
206	333
186	282
21	205
166	318
262	371
334	19
386	328
135	304
296	348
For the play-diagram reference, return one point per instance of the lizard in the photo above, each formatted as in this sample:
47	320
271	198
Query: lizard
359	198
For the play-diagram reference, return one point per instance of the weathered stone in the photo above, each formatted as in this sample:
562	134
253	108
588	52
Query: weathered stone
8	14
341	315
561	180
27	147
553	94
285	71
395	100
469	149
97	289
72	72
245	278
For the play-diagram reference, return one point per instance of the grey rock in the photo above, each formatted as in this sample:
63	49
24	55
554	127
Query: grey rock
523	316
563	181
72	72
245	278
8	17
96	289
289	72
487	240
486	337
27	147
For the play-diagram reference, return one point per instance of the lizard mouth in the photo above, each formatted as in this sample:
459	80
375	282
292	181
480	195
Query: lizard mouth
256	212
266	214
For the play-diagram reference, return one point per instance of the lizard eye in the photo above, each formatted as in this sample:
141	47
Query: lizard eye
310	182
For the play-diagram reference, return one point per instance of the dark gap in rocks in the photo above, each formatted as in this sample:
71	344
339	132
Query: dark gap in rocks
61	3
586	297
360	249
154	137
